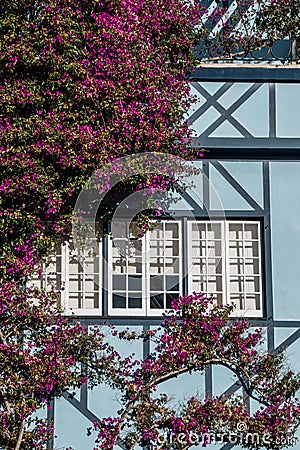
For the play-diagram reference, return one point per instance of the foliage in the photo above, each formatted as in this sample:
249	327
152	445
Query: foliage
82	82
194	335
41	353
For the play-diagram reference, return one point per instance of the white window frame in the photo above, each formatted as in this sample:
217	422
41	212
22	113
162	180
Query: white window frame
225	262
145	311
65	283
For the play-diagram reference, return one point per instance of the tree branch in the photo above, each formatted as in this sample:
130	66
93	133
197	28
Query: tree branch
20	437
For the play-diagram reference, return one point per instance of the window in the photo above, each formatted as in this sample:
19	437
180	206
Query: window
76	277
225	260
145	273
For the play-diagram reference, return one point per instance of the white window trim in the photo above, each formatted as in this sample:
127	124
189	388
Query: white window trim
65	288
225	264
145	311
65	293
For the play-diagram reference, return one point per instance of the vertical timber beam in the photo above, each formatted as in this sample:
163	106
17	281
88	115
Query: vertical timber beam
268	256
185	264
208	381
105	266
50	421
206	195
272	111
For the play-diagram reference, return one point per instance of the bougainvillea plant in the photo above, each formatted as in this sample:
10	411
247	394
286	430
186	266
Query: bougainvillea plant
194	335
41	353
82	82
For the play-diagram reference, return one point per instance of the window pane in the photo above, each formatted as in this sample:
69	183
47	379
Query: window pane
214	248
157	301
251	249
252	266
119	300
172	283
253	302
238	301
213	231
119	282
198	231
169	298
171	248
156	248
157	233
251	231
235	231
172	265
199	267
157	283
236	249
199	284
214	266
171	231
135	283
157	266
252	284
214	284
236	284
198	248
236	266
134	265
135	302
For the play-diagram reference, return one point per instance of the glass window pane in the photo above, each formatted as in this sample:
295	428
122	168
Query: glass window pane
252	266
213	231
198	231
199	267
172	283
157	283
235	249
199	284
251	231
214	266
157	233
135	283
238	301
119	282
119	300
198	248
171	248
157	265
134	302
171	231
251	249
214	248
172	265
169	298
134	265
157	301
236	266
214	284
236	284
156	248
235	231
252	284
